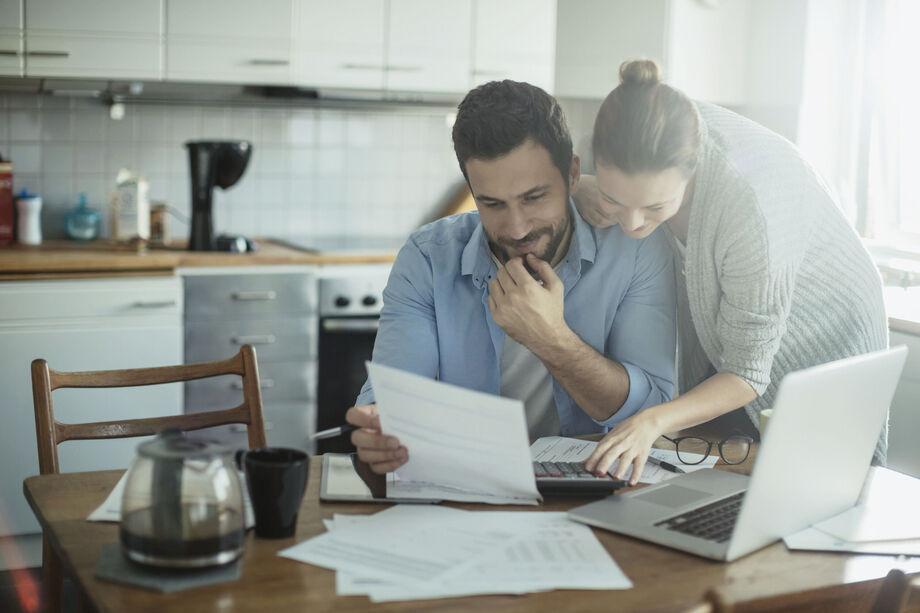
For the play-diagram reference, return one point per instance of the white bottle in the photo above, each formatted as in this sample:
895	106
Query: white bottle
29	227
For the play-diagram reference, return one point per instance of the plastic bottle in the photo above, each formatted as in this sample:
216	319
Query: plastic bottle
82	221
29	226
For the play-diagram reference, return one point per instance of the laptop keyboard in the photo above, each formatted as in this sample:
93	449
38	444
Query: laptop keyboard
713	522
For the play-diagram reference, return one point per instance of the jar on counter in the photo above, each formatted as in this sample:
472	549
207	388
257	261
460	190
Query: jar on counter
159	229
82	221
29	226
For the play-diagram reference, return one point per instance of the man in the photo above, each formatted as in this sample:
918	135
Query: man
524	298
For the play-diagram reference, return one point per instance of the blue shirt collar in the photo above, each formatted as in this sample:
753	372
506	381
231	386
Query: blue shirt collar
476	261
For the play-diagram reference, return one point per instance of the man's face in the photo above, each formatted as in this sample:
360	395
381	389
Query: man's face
523	202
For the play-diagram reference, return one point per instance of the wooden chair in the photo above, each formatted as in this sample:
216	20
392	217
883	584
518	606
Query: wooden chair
713	601
50	432
896	591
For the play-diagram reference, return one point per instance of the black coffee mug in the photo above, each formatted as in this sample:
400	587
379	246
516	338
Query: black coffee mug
276	478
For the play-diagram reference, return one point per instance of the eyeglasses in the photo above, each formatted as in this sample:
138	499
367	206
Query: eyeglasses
693	449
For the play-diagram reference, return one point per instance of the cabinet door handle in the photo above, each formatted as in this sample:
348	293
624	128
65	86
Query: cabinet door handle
363	66
393	68
48	53
268	62
154	304
253	339
343	324
265	295
263	384
10	53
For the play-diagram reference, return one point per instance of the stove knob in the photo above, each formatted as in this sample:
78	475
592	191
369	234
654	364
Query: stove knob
342	301
369	301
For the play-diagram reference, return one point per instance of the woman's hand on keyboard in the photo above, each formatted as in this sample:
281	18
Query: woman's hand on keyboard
383	453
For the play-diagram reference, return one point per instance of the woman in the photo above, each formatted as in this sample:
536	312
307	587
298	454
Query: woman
771	276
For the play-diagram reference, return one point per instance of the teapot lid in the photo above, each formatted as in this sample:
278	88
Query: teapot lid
172	444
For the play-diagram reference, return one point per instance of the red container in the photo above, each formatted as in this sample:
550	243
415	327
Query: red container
6	203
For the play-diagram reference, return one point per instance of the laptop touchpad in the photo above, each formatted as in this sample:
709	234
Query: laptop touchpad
672	496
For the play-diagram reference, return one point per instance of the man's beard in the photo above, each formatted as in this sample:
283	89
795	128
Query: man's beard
498	247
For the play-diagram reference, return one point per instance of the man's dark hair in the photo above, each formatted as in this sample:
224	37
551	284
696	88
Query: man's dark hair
497	117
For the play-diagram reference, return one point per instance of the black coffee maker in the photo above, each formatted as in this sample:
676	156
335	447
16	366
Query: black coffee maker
220	163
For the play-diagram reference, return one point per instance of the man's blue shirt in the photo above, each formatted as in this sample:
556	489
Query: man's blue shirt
619	299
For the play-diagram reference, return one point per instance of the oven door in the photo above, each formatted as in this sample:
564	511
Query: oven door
345	344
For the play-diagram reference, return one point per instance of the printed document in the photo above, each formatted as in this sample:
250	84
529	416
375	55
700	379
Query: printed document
409	552
882	522
463	445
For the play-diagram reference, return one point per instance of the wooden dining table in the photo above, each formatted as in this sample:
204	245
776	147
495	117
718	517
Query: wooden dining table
663	579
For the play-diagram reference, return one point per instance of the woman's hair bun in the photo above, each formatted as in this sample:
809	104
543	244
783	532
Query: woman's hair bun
640	72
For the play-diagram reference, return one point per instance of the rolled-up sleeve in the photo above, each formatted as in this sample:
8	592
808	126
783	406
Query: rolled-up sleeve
407	337
643	337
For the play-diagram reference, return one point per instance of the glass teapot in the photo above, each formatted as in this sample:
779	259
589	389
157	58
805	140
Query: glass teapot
183	503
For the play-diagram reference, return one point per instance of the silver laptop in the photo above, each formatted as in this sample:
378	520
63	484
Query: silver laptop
811	465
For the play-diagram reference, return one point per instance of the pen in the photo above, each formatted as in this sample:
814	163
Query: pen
666	465
333	432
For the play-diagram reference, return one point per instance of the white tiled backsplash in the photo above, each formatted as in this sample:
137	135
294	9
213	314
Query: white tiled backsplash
314	171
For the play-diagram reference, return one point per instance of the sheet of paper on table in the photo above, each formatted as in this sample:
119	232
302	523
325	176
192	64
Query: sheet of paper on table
882	522
565	449
110	509
463	445
444	552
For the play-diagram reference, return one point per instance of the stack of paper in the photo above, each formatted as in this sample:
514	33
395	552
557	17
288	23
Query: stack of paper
410	552
884	521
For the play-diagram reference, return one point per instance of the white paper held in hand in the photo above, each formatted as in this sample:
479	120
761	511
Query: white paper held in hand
463	445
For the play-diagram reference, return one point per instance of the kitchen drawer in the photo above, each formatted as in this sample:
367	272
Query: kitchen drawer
286	425
278	339
290	424
242	296
27	301
280	381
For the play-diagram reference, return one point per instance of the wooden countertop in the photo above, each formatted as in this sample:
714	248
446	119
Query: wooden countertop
57	258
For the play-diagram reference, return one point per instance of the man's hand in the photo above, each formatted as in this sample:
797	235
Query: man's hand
383	453
528	312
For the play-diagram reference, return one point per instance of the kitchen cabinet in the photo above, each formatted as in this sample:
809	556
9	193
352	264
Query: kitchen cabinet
701	46
232	41
396	45
429	46
86	324
339	44
105	39
514	39
708	49
275	312
11	47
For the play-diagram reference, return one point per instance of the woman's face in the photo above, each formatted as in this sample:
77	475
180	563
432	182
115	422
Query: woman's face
638	202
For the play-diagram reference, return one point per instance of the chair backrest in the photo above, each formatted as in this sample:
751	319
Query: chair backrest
50	432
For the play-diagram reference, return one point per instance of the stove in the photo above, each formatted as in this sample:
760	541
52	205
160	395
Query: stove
350	300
